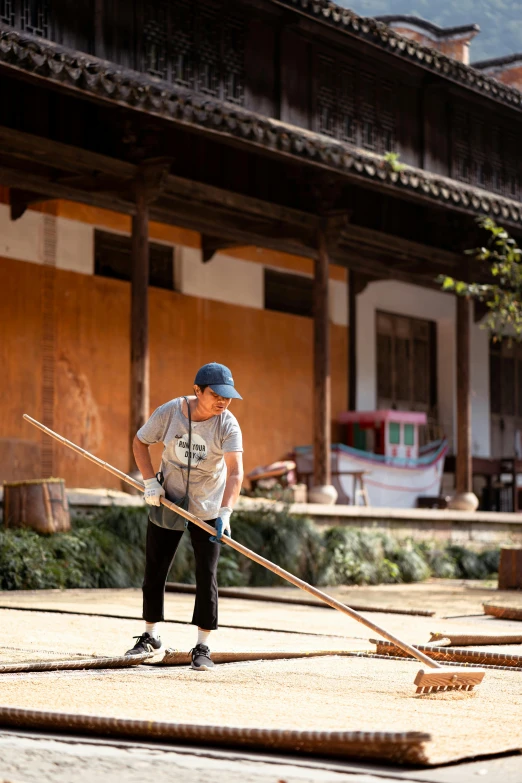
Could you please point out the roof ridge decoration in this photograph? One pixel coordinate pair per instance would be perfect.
(430, 27)
(109, 82)
(379, 34)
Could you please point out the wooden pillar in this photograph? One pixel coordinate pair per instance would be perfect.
(322, 381)
(352, 342)
(139, 331)
(510, 568)
(463, 462)
(464, 498)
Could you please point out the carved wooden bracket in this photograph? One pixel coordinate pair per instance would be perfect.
(359, 281)
(151, 178)
(333, 226)
(20, 200)
(211, 245)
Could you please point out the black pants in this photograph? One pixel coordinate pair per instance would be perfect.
(161, 549)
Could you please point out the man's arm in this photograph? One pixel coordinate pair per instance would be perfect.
(142, 457)
(234, 463)
(153, 489)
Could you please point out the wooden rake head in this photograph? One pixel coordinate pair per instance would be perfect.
(447, 678)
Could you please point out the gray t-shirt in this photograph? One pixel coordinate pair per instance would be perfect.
(211, 439)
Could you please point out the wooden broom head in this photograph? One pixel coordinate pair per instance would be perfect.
(447, 678)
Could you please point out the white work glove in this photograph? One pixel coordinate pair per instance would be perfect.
(222, 524)
(153, 492)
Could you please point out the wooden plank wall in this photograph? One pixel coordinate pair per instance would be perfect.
(436, 131)
(409, 134)
(295, 79)
(260, 68)
(270, 354)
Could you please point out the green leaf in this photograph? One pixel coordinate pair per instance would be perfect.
(461, 287)
(500, 283)
(392, 159)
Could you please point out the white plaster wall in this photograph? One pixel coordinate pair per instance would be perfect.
(480, 413)
(338, 291)
(75, 246)
(234, 281)
(23, 238)
(446, 368)
(418, 302)
(224, 279)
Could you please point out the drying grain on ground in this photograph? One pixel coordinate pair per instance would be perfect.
(335, 693)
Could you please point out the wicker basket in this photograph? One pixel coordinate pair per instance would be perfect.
(40, 505)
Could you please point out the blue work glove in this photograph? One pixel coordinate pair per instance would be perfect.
(222, 524)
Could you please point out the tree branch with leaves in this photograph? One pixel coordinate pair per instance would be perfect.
(501, 269)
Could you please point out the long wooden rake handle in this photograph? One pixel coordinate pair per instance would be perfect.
(245, 551)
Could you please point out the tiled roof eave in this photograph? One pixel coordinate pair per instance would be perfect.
(379, 34)
(139, 91)
(430, 27)
(496, 62)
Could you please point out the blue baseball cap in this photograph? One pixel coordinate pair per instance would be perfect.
(219, 378)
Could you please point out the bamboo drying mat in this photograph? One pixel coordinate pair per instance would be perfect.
(179, 658)
(445, 597)
(452, 654)
(253, 617)
(76, 664)
(251, 594)
(453, 639)
(320, 694)
(505, 611)
(398, 747)
(54, 636)
(330, 693)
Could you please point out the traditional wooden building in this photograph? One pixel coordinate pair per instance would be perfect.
(188, 180)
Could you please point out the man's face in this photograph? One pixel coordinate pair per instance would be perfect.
(211, 402)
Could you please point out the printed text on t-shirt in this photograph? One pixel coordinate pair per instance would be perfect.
(199, 449)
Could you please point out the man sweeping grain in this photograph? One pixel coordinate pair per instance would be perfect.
(202, 471)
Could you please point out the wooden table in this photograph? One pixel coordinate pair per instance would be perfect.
(359, 487)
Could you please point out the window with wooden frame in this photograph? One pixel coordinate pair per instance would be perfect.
(289, 293)
(505, 378)
(485, 153)
(406, 363)
(113, 256)
(352, 103)
(31, 16)
(199, 44)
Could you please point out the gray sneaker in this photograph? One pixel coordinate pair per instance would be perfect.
(201, 660)
(145, 644)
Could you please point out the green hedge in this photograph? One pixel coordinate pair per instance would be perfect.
(108, 551)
